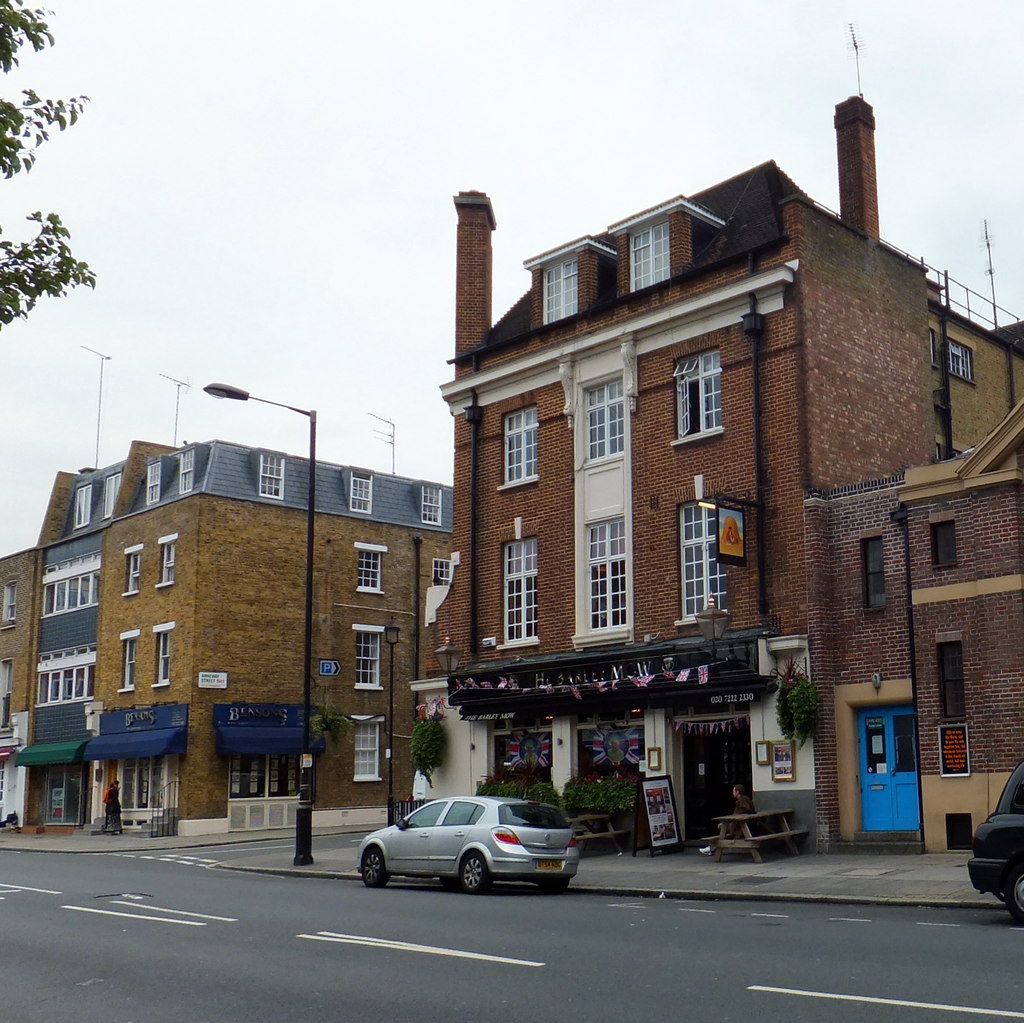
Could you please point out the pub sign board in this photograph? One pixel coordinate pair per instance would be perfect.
(954, 751)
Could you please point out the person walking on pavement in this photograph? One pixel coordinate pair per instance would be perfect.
(112, 802)
(744, 804)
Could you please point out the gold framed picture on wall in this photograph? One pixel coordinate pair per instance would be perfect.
(783, 761)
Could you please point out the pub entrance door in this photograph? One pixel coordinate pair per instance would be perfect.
(716, 755)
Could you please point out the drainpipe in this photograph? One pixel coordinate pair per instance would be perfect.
(946, 397)
(900, 517)
(417, 542)
(753, 327)
(474, 416)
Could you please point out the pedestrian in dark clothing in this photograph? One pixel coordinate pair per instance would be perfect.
(744, 804)
(112, 803)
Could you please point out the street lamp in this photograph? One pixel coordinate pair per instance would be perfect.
(304, 811)
(448, 657)
(713, 622)
(391, 638)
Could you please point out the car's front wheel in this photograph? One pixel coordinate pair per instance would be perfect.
(1015, 893)
(373, 868)
(474, 874)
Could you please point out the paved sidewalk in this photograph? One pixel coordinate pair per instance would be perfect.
(931, 879)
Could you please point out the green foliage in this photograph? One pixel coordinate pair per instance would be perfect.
(512, 788)
(43, 265)
(602, 795)
(429, 740)
(329, 722)
(798, 703)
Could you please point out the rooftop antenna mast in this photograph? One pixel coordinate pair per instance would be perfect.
(179, 384)
(99, 401)
(991, 271)
(856, 57)
(388, 436)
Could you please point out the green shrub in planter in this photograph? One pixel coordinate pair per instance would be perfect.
(602, 795)
(428, 747)
(537, 791)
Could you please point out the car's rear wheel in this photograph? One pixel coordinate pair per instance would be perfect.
(554, 886)
(1015, 893)
(474, 875)
(373, 868)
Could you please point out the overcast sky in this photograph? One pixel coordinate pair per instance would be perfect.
(264, 190)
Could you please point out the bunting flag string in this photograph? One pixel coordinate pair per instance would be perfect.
(711, 727)
(578, 684)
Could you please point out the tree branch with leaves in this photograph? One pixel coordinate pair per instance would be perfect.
(43, 265)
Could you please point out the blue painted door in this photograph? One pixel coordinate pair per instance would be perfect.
(888, 769)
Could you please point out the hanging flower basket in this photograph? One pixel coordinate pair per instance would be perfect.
(798, 704)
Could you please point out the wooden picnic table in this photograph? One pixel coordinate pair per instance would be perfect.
(589, 826)
(755, 829)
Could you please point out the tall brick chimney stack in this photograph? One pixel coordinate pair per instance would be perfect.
(858, 187)
(472, 269)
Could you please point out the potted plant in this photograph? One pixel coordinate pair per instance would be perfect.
(427, 746)
(522, 782)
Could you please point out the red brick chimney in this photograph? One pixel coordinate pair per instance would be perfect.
(855, 142)
(472, 269)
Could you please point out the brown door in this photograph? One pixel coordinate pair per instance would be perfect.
(714, 759)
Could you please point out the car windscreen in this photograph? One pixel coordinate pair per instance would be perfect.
(532, 815)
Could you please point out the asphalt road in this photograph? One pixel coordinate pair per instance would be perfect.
(118, 938)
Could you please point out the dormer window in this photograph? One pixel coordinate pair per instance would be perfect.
(361, 494)
(83, 505)
(649, 256)
(272, 476)
(153, 482)
(560, 290)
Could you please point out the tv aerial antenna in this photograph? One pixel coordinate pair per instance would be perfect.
(855, 45)
(99, 401)
(990, 271)
(179, 384)
(388, 436)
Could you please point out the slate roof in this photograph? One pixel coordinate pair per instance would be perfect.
(229, 470)
(749, 205)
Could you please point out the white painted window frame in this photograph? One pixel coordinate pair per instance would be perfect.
(561, 290)
(521, 445)
(271, 476)
(520, 589)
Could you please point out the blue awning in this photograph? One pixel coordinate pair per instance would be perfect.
(152, 742)
(281, 739)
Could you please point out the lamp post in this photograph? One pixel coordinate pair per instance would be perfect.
(391, 638)
(713, 622)
(304, 811)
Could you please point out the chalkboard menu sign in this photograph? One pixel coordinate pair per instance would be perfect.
(954, 752)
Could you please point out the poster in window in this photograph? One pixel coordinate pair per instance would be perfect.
(954, 751)
(732, 536)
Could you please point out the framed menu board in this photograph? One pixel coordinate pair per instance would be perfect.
(656, 808)
(954, 751)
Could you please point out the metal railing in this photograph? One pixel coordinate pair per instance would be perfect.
(163, 823)
(402, 808)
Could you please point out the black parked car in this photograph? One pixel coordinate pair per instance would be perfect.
(998, 862)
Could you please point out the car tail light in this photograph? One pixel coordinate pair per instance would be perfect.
(572, 842)
(506, 836)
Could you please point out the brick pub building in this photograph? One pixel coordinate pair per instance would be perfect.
(674, 412)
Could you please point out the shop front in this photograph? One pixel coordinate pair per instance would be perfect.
(599, 721)
(263, 744)
(59, 781)
(141, 747)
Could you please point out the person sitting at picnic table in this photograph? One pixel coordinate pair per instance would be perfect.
(744, 804)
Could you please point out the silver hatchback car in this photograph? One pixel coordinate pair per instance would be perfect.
(470, 841)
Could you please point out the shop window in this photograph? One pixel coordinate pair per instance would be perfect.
(610, 750)
(258, 775)
(142, 779)
(523, 754)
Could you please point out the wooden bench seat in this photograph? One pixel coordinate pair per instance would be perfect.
(588, 827)
(776, 820)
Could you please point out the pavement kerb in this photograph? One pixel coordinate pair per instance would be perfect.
(679, 894)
